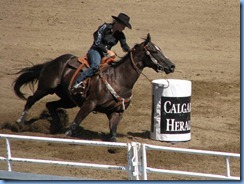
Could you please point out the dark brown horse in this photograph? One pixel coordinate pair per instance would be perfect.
(108, 93)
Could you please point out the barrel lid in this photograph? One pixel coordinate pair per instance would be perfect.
(171, 81)
(172, 87)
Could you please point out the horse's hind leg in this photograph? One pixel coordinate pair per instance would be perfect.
(30, 101)
(52, 108)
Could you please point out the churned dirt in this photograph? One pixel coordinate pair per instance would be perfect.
(201, 37)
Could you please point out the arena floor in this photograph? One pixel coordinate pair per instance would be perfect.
(201, 37)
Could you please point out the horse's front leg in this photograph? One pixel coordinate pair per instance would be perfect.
(85, 109)
(114, 119)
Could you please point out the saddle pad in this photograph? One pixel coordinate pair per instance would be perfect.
(76, 62)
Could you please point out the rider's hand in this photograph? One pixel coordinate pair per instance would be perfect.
(111, 53)
(125, 50)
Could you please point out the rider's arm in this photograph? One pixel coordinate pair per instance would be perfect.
(123, 43)
(98, 36)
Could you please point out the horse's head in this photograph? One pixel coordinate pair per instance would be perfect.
(154, 58)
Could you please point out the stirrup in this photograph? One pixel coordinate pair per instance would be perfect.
(79, 85)
(78, 88)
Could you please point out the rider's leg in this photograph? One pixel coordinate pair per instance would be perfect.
(94, 59)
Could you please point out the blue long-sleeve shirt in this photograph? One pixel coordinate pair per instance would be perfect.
(105, 39)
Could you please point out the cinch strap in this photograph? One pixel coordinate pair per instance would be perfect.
(120, 100)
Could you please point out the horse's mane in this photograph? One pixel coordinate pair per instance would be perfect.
(121, 60)
(124, 58)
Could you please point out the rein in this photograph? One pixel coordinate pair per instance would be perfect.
(134, 64)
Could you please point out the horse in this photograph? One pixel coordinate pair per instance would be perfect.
(108, 92)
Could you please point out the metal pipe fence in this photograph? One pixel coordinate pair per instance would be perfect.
(130, 168)
(146, 169)
(136, 156)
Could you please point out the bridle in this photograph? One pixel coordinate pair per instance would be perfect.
(153, 59)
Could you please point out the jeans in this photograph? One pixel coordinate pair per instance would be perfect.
(94, 59)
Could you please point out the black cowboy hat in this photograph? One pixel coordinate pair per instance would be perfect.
(124, 19)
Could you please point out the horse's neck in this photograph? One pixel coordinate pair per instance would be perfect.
(125, 74)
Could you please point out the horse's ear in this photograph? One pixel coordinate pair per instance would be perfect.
(148, 39)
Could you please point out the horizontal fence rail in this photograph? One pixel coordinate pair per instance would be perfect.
(146, 169)
(130, 168)
(136, 155)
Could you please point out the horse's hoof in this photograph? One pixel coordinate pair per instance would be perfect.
(113, 139)
(20, 121)
(69, 133)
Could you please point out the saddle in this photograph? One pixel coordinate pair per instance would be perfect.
(81, 64)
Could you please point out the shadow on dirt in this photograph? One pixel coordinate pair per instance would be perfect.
(91, 135)
(58, 124)
(45, 123)
(145, 134)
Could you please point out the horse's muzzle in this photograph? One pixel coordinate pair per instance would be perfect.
(169, 69)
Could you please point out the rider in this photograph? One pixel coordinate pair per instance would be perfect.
(106, 36)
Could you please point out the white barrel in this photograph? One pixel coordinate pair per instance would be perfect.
(171, 108)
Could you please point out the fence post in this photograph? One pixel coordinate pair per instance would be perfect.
(135, 160)
(227, 166)
(129, 159)
(144, 162)
(8, 154)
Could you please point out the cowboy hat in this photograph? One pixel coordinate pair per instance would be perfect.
(124, 19)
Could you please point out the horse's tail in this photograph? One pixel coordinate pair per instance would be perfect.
(28, 75)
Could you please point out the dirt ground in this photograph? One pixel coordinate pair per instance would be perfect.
(201, 37)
